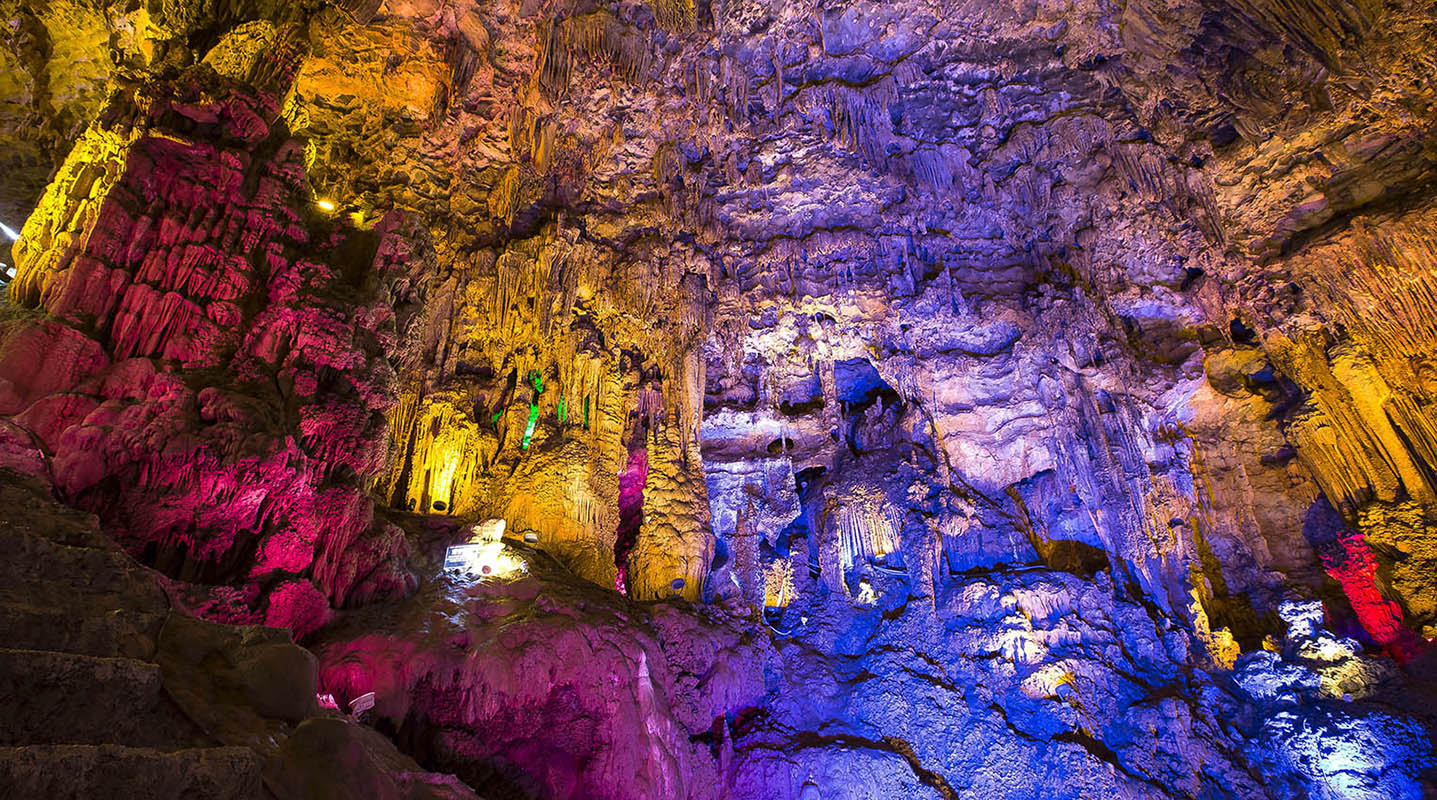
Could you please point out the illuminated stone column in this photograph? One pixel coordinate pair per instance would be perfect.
(824, 527)
(675, 543)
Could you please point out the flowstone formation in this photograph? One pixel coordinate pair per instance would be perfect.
(915, 399)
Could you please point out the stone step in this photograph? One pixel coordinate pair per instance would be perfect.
(117, 633)
(84, 772)
(60, 524)
(64, 698)
(85, 580)
(84, 538)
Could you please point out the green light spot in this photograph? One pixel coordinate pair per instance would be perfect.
(561, 411)
(533, 419)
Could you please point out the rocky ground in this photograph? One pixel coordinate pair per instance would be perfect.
(1009, 683)
(109, 691)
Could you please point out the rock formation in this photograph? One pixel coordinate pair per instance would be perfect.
(111, 691)
(922, 399)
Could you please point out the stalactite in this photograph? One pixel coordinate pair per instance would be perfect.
(596, 36)
(504, 197)
(860, 117)
(778, 588)
(1348, 433)
(674, 15)
(868, 527)
(1183, 194)
(1383, 289)
(441, 459)
(362, 11)
(531, 136)
(1324, 26)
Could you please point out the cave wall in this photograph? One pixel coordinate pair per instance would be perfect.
(202, 360)
(811, 308)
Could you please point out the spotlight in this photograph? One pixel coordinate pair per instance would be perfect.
(327, 206)
(10, 233)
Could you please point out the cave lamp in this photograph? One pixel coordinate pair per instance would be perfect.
(866, 595)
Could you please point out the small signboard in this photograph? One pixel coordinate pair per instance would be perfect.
(483, 560)
(362, 703)
(462, 557)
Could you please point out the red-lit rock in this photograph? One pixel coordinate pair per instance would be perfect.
(205, 381)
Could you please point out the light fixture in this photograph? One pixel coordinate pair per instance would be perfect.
(326, 206)
(10, 233)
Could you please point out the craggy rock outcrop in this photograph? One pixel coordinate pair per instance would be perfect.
(544, 685)
(53, 73)
(983, 396)
(213, 368)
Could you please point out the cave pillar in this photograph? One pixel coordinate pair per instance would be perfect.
(746, 557)
(829, 385)
(824, 525)
(921, 543)
(675, 542)
(181, 238)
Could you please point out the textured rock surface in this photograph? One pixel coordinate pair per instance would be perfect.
(108, 693)
(997, 398)
(1031, 683)
(213, 370)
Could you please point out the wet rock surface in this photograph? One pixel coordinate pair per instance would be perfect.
(1016, 683)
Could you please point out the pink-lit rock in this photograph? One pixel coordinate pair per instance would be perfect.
(208, 385)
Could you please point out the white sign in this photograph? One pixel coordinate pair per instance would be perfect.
(482, 560)
(462, 556)
(362, 703)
